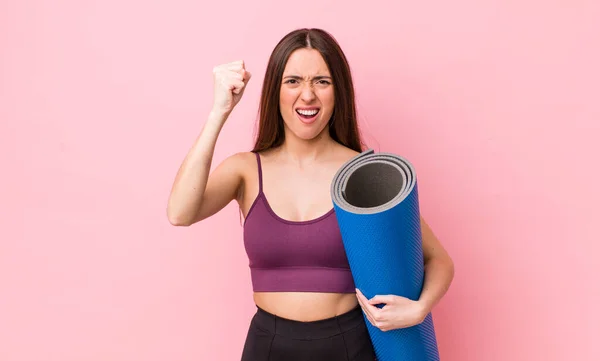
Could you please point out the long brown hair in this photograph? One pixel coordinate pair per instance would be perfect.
(343, 126)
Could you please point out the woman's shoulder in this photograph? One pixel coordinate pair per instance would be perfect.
(241, 161)
(240, 158)
(345, 153)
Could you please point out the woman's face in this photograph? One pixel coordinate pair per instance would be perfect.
(306, 97)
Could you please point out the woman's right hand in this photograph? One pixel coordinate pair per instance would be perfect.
(230, 80)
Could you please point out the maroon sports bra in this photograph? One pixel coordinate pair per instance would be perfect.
(294, 256)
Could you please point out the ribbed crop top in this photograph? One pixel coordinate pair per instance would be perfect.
(294, 256)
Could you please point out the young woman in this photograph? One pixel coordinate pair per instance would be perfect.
(307, 304)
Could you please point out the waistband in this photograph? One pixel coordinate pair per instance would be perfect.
(309, 330)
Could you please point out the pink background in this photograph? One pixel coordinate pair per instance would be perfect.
(495, 102)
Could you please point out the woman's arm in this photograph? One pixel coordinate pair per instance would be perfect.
(195, 195)
(439, 269)
(401, 312)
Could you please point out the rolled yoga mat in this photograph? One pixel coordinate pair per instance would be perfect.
(377, 208)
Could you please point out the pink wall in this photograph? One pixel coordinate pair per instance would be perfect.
(496, 103)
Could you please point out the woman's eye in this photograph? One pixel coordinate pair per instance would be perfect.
(295, 81)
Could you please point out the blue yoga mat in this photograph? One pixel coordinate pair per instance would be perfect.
(376, 204)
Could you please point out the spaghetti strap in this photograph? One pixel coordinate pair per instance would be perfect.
(260, 188)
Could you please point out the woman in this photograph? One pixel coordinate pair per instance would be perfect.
(307, 304)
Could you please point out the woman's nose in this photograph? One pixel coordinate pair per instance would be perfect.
(307, 92)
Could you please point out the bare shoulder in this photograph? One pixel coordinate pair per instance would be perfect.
(242, 163)
(268, 154)
(240, 159)
(344, 154)
(246, 166)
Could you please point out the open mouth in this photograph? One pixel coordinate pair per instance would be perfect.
(307, 114)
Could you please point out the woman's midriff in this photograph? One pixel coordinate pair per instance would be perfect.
(305, 306)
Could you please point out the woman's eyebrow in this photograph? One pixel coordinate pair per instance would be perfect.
(297, 77)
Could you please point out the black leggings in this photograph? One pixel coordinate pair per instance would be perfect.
(341, 338)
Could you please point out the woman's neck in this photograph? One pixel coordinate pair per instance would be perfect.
(301, 150)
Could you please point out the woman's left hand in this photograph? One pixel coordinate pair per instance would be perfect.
(398, 312)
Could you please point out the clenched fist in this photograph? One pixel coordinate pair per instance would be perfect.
(230, 81)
